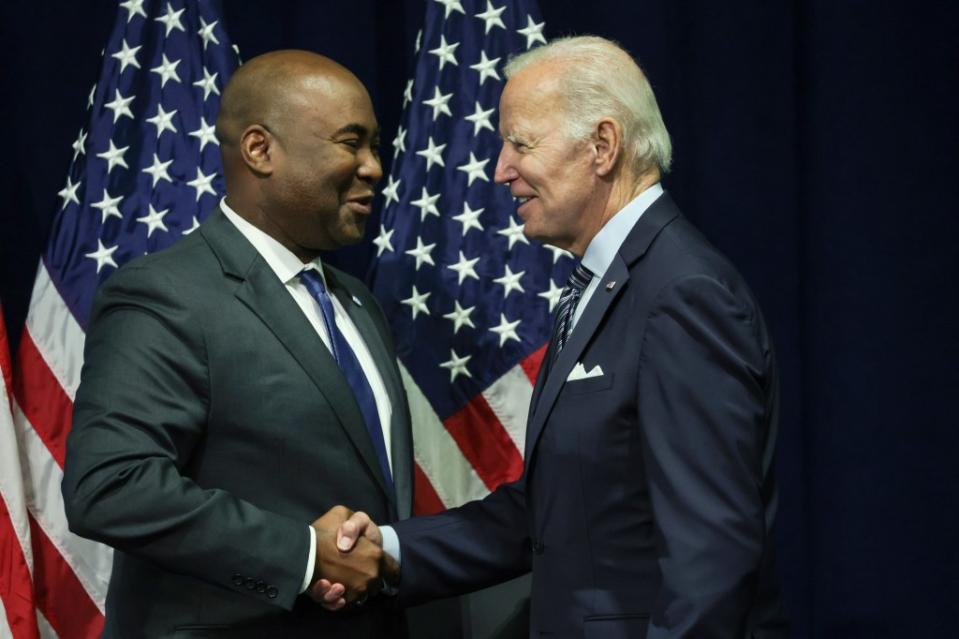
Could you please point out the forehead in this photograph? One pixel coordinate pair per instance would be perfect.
(531, 96)
(333, 103)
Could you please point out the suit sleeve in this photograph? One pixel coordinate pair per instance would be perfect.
(464, 549)
(139, 413)
(704, 384)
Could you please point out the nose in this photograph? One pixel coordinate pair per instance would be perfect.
(505, 173)
(370, 168)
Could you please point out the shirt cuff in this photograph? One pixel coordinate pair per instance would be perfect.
(311, 561)
(391, 542)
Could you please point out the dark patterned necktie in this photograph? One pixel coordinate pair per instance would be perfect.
(350, 366)
(578, 281)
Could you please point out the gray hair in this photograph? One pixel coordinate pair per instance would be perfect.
(600, 79)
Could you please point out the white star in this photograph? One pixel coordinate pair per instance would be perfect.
(208, 83)
(69, 193)
(460, 317)
(432, 153)
(93, 91)
(465, 268)
(492, 16)
(456, 365)
(439, 103)
(399, 142)
(474, 169)
(506, 330)
(103, 255)
(533, 32)
(557, 252)
(486, 68)
(163, 121)
(390, 191)
(419, 40)
(206, 32)
(78, 145)
(114, 157)
(127, 56)
(480, 119)
(422, 253)
(202, 183)
(469, 218)
(154, 220)
(193, 227)
(383, 241)
(171, 19)
(446, 52)
(510, 282)
(166, 70)
(109, 206)
(514, 232)
(552, 295)
(427, 204)
(417, 302)
(451, 6)
(159, 170)
(408, 93)
(133, 7)
(120, 106)
(205, 133)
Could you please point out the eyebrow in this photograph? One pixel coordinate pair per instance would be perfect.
(355, 128)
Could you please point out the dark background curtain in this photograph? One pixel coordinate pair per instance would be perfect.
(816, 143)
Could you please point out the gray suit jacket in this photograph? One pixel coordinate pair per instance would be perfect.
(211, 427)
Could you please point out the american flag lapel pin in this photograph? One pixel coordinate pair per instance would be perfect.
(610, 285)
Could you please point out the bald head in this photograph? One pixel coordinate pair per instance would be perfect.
(268, 89)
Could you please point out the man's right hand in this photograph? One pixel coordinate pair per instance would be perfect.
(356, 532)
(357, 570)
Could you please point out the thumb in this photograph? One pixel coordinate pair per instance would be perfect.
(346, 535)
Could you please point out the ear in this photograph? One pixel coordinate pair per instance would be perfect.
(607, 143)
(257, 149)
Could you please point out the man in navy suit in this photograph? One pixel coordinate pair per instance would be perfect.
(647, 503)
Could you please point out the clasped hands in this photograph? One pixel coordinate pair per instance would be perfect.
(350, 563)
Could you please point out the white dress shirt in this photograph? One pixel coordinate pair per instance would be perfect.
(287, 267)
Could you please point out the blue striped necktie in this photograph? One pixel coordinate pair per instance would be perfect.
(350, 366)
(578, 281)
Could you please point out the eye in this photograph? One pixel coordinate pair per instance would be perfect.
(353, 143)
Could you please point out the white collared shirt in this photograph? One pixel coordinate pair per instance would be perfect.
(606, 244)
(287, 267)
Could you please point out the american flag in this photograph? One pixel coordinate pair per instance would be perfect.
(146, 170)
(469, 297)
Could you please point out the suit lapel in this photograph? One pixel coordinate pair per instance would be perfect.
(259, 289)
(551, 379)
(401, 445)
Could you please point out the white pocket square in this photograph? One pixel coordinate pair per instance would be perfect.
(579, 372)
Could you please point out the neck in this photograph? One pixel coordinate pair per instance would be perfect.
(621, 192)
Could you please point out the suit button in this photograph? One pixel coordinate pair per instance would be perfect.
(272, 592)
(237, 579)
(537, 547)
(250, 583)
(261, 586)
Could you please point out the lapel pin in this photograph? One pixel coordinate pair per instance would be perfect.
(357, 301)
(610, 285)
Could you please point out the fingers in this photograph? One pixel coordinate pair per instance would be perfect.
(329, 595)
(359, 524)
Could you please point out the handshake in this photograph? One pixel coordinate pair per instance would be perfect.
(350, 563)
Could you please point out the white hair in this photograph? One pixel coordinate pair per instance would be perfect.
(600, 79)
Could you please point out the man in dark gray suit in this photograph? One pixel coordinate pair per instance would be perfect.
(235, 387)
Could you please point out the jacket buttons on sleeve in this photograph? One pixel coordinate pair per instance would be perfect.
(272, 592)
(237, 579)
(261, 586)
(250, 583)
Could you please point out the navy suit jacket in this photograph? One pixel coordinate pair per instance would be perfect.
(647, 502)
(210, 428)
